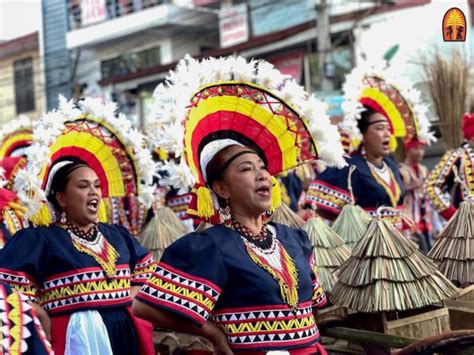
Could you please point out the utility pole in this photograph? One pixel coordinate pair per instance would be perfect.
(324, 45)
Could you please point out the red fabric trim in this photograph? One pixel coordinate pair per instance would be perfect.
(276, 307)
(278, 344)
(89, 158)
(191, 277)
(283, 331)
(448, 212)
(313, 349)
(234, 121)
(468, 125)
(329, 186)
(237, 321)
(58, 333)
(202, 305)
(89, 304)
(18, 274)
(84, 271)
(172, 306)
(144, 332)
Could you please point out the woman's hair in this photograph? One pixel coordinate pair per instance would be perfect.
(60, 177)
(364, 122)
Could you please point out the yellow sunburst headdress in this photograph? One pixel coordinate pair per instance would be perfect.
(206, 105)
(92, 131)
(15, 137)
(384, 90)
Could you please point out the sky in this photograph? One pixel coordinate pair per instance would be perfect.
(19, 17)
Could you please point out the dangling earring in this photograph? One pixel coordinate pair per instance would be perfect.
(63, 219)
(224, 213)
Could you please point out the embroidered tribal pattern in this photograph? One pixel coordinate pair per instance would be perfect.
(393, 216)
(393, 189)
(100, 249)
(143, 270)
(175, 289)
(270, 326)
(438, 177)
(468, 173)
(86, 287)
(280, 265)
(319, 194)
(319, 297)
(14, 317)
(20, 282)
(179, 204)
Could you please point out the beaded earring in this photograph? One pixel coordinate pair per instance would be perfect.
(63, 219)
(224, 213)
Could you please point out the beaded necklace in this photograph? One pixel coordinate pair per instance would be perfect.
(94, 244)
(267, 252)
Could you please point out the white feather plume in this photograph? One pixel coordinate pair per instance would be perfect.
(172, 103)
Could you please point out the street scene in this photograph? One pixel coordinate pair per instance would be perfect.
(236, 177)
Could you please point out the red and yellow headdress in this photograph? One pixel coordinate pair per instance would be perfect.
(89, 130)
(385, 91)
(15, 136)
(205, 106)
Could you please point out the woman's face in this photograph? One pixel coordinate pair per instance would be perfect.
(246, 184)
(377, 136)
(417, 153)
(81, 198)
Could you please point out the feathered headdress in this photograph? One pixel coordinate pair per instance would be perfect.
(89, 130)
(384, 90)
(15, 136)
(204, 106)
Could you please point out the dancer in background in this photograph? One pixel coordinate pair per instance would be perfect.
(378, 109)
(416, 204)
(442, 189)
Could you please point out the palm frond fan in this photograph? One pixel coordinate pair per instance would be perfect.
(448, 86)
(163, 229)
(351, 224)
(285, 215)
(352, 221)
(454, 250)
(330, 250)
(92, 131)
(387, 273)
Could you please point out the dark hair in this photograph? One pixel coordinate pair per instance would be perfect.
(364, 122)
(61, 178)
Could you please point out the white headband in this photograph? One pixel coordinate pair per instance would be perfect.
(52, 172)
(211, 149)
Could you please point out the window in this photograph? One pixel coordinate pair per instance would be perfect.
(24, 88)
(131, 62)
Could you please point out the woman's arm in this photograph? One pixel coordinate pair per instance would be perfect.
(44, 319)
(167, 320)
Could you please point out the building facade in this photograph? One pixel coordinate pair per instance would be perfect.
(21, 88)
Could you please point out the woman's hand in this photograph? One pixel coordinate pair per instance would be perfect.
(43, 318)
(217, 338)
(220, 343)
